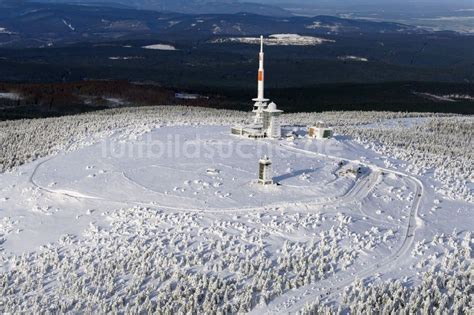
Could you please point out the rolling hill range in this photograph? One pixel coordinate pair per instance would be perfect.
(327, 63)
(186, 6)
(37, 25)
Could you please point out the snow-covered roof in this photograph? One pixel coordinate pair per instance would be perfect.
(272, 108)
(252, 131)
(265, 160)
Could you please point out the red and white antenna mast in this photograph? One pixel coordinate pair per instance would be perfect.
(261, 102)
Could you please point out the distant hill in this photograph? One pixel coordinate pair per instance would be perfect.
(351, 64)
(41, 25)
(186, 6)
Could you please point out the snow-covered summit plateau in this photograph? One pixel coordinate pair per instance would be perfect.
(158, 210)
(278, 40)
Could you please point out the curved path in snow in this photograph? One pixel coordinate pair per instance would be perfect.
(325, 290)
(360, 189)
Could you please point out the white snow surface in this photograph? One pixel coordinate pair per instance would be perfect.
(278, 40)
(136, 214)
(445, 98)
(160, 47)
(318, 25)
(69, 25)
(353, 58)
(10, 96)
(125, 57)
(3, 30)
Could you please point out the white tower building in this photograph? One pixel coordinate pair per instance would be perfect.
(265, 171)
(271, 121)
(260, 102)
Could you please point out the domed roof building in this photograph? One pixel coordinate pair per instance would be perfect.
(271, 121)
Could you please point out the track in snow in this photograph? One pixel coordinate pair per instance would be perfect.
(325, 290)
(361, 188)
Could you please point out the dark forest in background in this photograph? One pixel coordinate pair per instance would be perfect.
(67, 59)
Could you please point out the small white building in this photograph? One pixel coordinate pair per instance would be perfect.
(265, 171)
(320, 131)
(271, 121)
(253, 132)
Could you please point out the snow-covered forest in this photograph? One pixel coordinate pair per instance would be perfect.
(101, 238)
(26, 140)
(138, 268)
(445, 285)
(443, 145)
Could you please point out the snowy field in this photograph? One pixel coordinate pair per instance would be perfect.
(165, 47)
(157, 210)
(10, 96)
(353, 58)
(5, 31)
(278, 40)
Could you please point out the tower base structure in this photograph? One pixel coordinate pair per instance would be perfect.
(265, 171)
